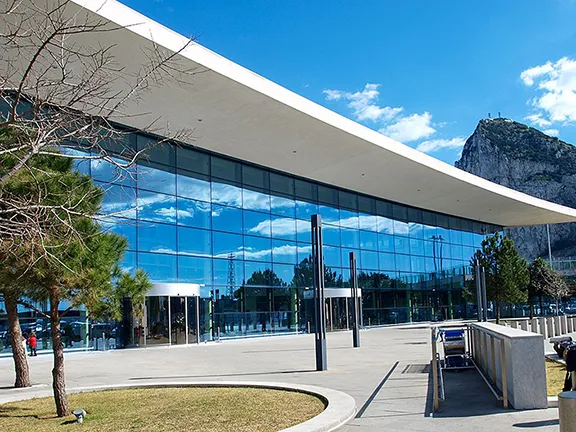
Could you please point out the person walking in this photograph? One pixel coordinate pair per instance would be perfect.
(32, 342)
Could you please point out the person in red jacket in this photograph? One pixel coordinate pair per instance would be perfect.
(32, 341)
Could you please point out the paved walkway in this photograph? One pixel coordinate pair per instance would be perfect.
(387, 377)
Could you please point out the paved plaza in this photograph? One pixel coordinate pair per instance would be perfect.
(387, 377)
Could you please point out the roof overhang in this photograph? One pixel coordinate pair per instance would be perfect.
(238, 113)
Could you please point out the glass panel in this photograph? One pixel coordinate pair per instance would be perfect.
(417, 247)
(350, 238)
(155, 237)
(155, 151)
(194, 213)
(226, 244)
(284, 228)
(194, 270)
(386, 261)
(192, 185)
(401, 245)
(128, 263)
(256, 223)
(385, 243)
(303, 228)
(226, 169)
(193, 160)
(112, 172)
(369, 260)
(261, 274)
(156, 207)
(368, 240)
(281, 183)
(348, 200)
(330, 235)
(194, 241)
(192, 320)
(226, 219)
(304, 210)
(332, 256)
(330, 215)
(283, 206)
(306, 190)
(385, 225)
(328, 195)
(401, 228)
(349, 219)
(229, 272)
(123, 227)
(156, 178)
(157, 320)
(255, 200)
(284, 251)
(368, 222)
(252, 176)
(419, 264)
(257, 248)
(285, 273)
(119, 201)
(178, 320)
(160, 267)
(226, 194)
(416, 230)
(403, 263)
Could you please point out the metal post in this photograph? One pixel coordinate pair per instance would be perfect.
(354, 287)
(197, 319)
(319, 316)
(478, 289)
(436, 398)
(484, 296)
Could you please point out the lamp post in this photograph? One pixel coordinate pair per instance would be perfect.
(320, 313)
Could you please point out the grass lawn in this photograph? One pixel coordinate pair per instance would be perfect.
(555, 374)
(167, 409)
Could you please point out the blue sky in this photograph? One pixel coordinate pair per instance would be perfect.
(421, 71)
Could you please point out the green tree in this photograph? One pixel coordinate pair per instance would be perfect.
(507, 275)
(544, 280)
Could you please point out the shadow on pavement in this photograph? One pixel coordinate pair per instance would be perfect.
(221, 375)
(537, 424)
(466, 395)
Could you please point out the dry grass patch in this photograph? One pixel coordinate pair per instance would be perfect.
(555, 374)
(167, 409)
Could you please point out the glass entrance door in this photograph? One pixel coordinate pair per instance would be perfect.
(337, 314)
(177, 320)
(194, 331)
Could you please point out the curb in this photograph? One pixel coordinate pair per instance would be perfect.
(340, 407)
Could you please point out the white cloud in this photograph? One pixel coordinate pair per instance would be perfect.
(363, 103)
(439, 144)
(552, 132)
(556, 99)
(538, 120)
(410, 128)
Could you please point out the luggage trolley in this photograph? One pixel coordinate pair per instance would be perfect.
(454, 345)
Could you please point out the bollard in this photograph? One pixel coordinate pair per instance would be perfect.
(543, 331)
(534, 325)
(563, 324)
(524, 325)
(218, 334)
(567, 411)
(308, 327)
(570, 324)
(557, 326)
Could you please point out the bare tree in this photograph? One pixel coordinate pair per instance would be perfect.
(62, 90)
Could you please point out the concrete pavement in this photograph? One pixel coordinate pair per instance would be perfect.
(388, 377)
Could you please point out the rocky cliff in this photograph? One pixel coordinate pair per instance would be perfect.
(523, 158)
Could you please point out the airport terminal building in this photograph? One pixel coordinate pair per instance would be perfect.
(221, 223)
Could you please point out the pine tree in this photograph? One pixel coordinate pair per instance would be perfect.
(507, 275)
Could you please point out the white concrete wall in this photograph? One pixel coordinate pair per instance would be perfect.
(525, 365)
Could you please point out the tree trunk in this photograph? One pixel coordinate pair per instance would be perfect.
(58, 379)
(18, 349)
(497, 304)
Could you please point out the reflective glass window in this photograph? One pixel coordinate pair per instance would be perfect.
(156, 178)
(417, 247)
(330, 235)
(328, 195)
(385, 225)
(385, 243)
(281, 183)
(123, 227)
(345, 253)
(128, 263)
(468, 253)
(303, 228)
(418, 264)
(332, 256)
(368, 240)
(226, 194)
(194, 213)
(283, 206)
(431, 265)
(456, 252)
(304, 210)
(349, 219)
(429, 248)
(156, 237)
(348, 200)
(256, 200)
(118, 142)
(194, 270)
(108, 172)
(306, 190)
(400, 212)
(260, 274)
(191, 185)
(160, 267)
(256, 223)
(192, 160)
(403, 263)
(284, 251)
(416, 230)
(386, 261)
(257, 248)
(194, 241)
(226, 169)
(157, 207)
(401, 245)
(283, 227)
(224, 268)
(401, 228)
(350, 238)
(369, 260)
(334, 277)
(256, 177)
(368, 222)
(430, 232)
(330, 215)
(226, 219)
(304, 252)
(156, 151)
(455, 236)
(285, 274)
(467, 238)
(79, 164)
(119, 201)
(226, 245)
(366, 205)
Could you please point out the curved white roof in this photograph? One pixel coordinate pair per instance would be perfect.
(236, 112)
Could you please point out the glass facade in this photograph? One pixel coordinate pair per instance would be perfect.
(243, 233)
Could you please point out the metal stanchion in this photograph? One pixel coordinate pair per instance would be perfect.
(319, 308)
(354, 288)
